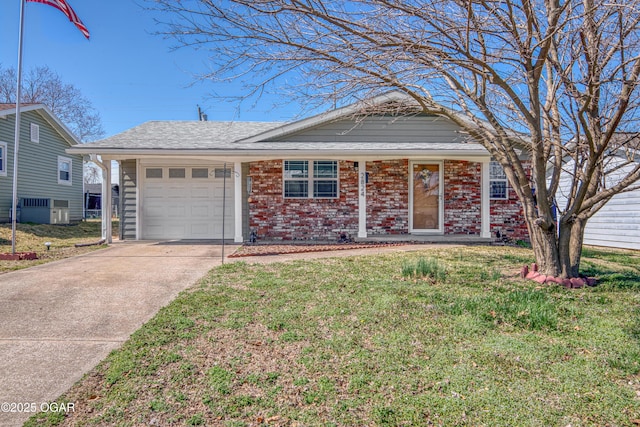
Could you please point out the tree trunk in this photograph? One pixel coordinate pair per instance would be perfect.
(545, 250)
(558, 255)
(570, 241)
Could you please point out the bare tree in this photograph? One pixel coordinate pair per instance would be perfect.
(555, 81)
(92, 173)
(41, 85)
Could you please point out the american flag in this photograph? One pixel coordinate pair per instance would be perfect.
(64, 7)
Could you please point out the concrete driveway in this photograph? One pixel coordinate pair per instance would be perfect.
(59, 320)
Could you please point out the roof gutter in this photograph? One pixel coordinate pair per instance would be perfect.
(278, 154)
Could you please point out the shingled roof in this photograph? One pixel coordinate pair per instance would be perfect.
(184, 135)
(274, 138)
(11, 106)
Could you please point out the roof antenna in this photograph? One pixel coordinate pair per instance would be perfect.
(201, 115)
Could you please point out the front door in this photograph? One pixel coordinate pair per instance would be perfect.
(426, 197)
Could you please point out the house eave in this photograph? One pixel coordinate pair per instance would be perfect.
(257, 155)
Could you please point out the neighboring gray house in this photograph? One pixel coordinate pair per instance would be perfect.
(617, 223)
(50, 187)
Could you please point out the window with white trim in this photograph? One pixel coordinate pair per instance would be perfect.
(65, 168)
(498, 182)
(317, 179)
(3, 159)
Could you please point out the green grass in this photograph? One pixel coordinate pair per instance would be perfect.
(352, 342)
(424, 268)
(63, 238)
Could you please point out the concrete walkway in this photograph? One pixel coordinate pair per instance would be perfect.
(59, 320)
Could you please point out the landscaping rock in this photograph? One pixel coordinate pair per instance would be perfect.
(572, 283)
(18, 256)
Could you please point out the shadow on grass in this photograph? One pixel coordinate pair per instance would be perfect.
(623, 279)
(611, 280)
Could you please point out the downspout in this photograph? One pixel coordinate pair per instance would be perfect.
(106, 198)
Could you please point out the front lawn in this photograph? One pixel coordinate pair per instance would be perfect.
(63, 238)
(444, 336)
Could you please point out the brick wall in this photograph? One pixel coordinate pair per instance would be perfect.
(275, 218)
(463, 197)
(388, 197)
(507, 217)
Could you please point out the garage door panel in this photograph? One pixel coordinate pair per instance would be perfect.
(176, 193)
(155, 231)
(174, 231)
(202, 211)
(155, 210)
(201, 229)
(176, 212)
(218, 191)
(200, 191)
(154, 192)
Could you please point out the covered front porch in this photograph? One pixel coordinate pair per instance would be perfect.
(377, 198)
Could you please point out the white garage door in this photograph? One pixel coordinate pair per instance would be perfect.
(186, 203)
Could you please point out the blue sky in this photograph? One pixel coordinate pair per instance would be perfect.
(129, 74)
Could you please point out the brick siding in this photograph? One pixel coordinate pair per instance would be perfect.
(388, 197)
(463, 197)
(275, 218)
(507, 216)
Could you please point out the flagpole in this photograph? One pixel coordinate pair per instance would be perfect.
(17, 134)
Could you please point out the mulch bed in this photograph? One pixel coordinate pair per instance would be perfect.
(276, 249)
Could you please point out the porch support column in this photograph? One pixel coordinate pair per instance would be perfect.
(105, 199)
(485, 227)
(107, 205)
(237, 201)
(362, 199)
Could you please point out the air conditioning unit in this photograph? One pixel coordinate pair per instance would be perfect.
(60, 212)
(44, 210)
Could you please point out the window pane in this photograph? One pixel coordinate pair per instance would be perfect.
(199, 173)
(325, 169)
(296, 188)
(499, 190)
(153, 172)
(296, 169)
(496, 171)
(177, 173)
(1, 158)
(325, 188)
(222, 173)
(64, 169)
